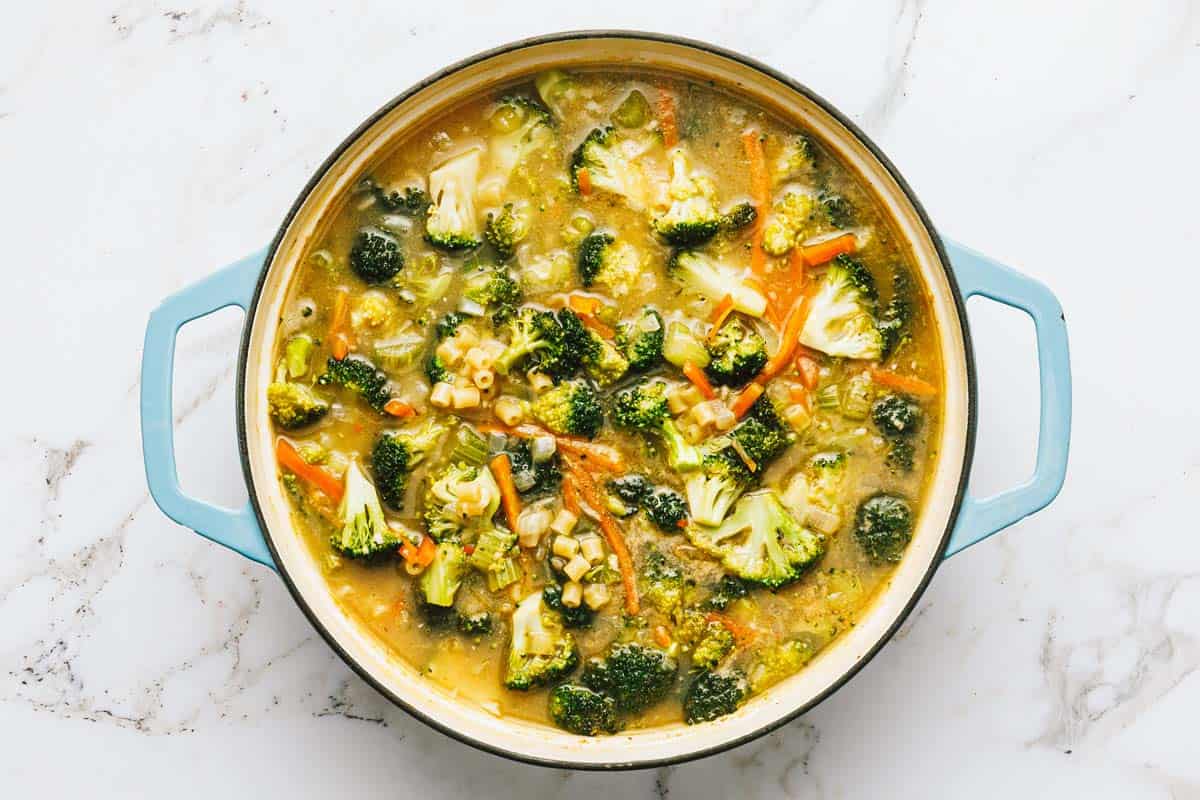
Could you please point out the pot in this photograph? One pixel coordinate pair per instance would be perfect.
(950, 520)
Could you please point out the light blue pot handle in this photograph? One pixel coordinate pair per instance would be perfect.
(237, 529)
(979, 518)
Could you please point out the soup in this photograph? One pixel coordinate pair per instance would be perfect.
(606, 401)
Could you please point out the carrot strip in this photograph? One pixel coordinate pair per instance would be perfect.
(719, 314)
(740, 632)
(510, 498)
(903, 383)
(601, 455)
(746, 399)
(661, 637)
(399, 408)
(289, 458)
(787, 340)
(590, 321)
(612, 532)
(699, 380)
(829, 249)
(582, 304)
(760, 191)
(339, 340)
(798, 394)
(666, 118)
(809, 372)
(571, 498)
(584, 180)
(419, 555)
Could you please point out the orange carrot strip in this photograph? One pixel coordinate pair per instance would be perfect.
(600, 455)
(787, 340)
(903, 383)
(746, 399)
(339, 340)
(289, 458)
(740, 632)
(612, 531)
(582, 304)
(829, 249)
(584, 180)
(661, 637)
(571, 498)
(719, 314)
(808, 370)
(798, 394)
(760, 191)
(510, 498)
(419, 555)
(590, 321)
(399, 408)
(666, 118)
(699, 379)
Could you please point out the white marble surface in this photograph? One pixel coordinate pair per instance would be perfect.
(142, 145)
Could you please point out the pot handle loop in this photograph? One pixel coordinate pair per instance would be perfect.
(237, 529)
(981, 517)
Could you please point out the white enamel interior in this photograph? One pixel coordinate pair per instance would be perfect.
(537, 742)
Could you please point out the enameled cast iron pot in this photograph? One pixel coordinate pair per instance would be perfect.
(949, 521)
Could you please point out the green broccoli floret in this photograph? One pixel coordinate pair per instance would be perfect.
(739, 216)
(436, 618)
(606, 262)
(667, 510)
(480, 624)
(572, 408)
(900, 455)
(790, 219)
(729, 590)
(504, 231)
(644, 407)
(837, 209)
(712, 280)
(894, 320)
(520, 128)
(776, 662)
(410, 200)
(451, 224)
(579, 710)
(633, 675)
(364, 533)
(533, 478)
(540, 651)
(825, 475)
(578, 617)
(448, 325)
(583, 346)
(397, 453)
(294, 405)
(796, 160)
(761, 541)
(841, 319)
(692, 217)
(736, 353)
(375, 256)
(632, 490)
(712, 695)
(896, 415)
(436, 370)
(662, 584)
(445, 518)
(610, 168)
(535, 340)
(495, 289)
(359, 376)
(443, 576)
(883, 527)
(707, 639)
(712, 490)
(641, 341)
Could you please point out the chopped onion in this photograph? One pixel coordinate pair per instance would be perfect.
(472, 308)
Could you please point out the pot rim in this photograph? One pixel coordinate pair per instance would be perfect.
(956, 297)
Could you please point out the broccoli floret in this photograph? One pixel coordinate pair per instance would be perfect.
(578, 709)
(359, 376)
(838, 210)
(712, 695)
(662, 584)
(841, 320)
(578, 617)
(375, 256)
(448, 325)
(736, 353)
(760, 541)
(644, 407)
(883, 527)
(641, 341)
(504, 231)
(451, 224)
(707, 639)
(633, 675)
(411, 200)
(540, 651)
(533, 479)
(795, 161)
(900, 455)
(896, 415)
(436, 618)
(667, 510)
(692, 217)
(520, 127)
(445, 514)
(631, 489)
(396, 454)
(480, 624)
(294, 405)
(774, 663)
(610, 166)
(825, 475)
(495, 289)
(583, 346)
(706, 277)
(436, 370)
(364, 533)
(570, 408)
(711, 492)
(729, 589)
(443, 576)
(740, 216)
(789, 220)
(534, 339)
(612, 264)
(893, 322)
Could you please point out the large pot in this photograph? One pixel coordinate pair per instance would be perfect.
(950, 520)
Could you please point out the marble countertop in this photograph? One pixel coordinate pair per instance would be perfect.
(145, 145)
